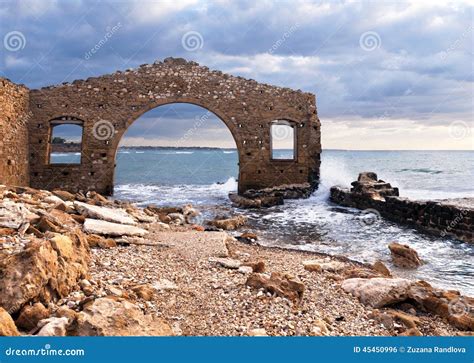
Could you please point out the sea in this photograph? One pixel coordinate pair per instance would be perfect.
(204, 177)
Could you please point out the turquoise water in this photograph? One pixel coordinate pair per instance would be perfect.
(204, 177)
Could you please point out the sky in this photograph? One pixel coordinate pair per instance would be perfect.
(387, 75)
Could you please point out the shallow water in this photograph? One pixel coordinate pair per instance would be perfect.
(204, 177)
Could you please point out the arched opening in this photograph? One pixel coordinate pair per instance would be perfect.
(174, 154)
(65, 140)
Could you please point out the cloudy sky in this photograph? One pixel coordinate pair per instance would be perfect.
(387, 75)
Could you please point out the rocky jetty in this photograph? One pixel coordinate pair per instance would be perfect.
(60, 276)
(450, 217)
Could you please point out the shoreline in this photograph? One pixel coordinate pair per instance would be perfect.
(171, 277)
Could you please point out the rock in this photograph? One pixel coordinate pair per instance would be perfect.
(226, 262)
(368, 185)
(255, 202)
(6, 232)
(380, 267)
(164, 284)
(100, 242)
(7, 326)
(450, 305)
(323, 265)
(379, 291)
(320, 328)
(43, 270)
(176, 218)
(259, 332)
(117, 317)
(198, 228)
(114, 215)
(163, 210)
(64, 195)
(65, 312)
(53, 199)
(283, 285)
(190, 213)
(404, 256)
(245, 270)
(115, 291)
(229, 223)
(30, 315)
(46, 224)
(112, 229)
(258, 266)
(13, 215)
(247, 237)
(53, 327)
(412, 332)
(144, 291)
(408, 320)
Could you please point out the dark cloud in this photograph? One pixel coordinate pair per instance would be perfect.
(420, 68)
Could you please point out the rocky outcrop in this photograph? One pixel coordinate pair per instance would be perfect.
(454, 218)
(46, 269)
(117, 317)
(404, 256)
(458, 310)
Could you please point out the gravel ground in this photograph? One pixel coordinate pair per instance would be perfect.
(199, 297)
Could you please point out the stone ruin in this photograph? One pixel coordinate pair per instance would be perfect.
(104, 107)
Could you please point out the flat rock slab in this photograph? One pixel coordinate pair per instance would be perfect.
(112, 229)
(106, 214)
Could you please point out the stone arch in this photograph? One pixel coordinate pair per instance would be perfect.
(190, 101)
(244, 105)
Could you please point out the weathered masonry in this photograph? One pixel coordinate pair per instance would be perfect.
(104, 107)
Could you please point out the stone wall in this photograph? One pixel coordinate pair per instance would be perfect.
(109, 104)
(454, 218)
(14, 109)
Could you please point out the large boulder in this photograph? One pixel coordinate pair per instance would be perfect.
(30, 315)
(378, 292)
(46, 269)
(118, 317)
(112, 229)
(7, 325)
(404, 256)
(114, 215)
